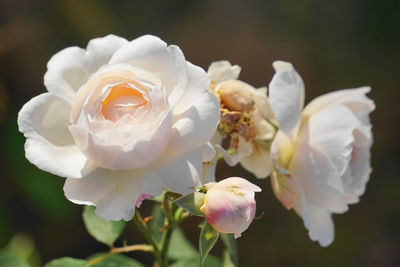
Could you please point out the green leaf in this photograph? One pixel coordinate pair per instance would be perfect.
(11, 259)
(210, 261)
(192, 203)
(67, 262)
(180, 247)
(231, 247)
(208, 237)
(157, 222)
(115, 260)
(103, 231)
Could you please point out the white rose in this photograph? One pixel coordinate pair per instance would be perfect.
(245, 120)
(121, 120)
(322, 153)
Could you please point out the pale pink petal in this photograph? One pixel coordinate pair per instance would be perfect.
(238, 182)
(357, 174)
(286, 189)
(355, 99)
(319, 178)
(331, 130)
(286, 96)
(167, 63)
(44, 121)
(318, 222)
(114, 193)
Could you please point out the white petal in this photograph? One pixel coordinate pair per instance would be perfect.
(139, 153)
(146, 149)
(167, 63)
(286, 96)
(180, 174)
(244, 150)
(355, 99)
(220, 71)
(114, 193)
(209, 159)
(238, 182)
(195, 126)
(70, 68)
(319, 178)
(357, 174)
(331, 130)
(197, 85)
(318, 222)
(259, 163)
(44, 121)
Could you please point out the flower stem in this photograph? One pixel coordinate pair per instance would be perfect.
(141, 224)
(114, 250)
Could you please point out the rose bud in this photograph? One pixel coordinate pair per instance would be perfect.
(229, 205)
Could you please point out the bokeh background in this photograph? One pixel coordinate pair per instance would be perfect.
(333, 45)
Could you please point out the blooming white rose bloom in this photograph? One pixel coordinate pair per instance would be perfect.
(229, 205)
(321, 153)
(121, 120)
(246, 130)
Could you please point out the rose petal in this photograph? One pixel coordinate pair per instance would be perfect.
(286, 96)
(167, 63)
(331, 130)
(196, 125)
(44, 121)
(357, 174)
(139, 153)
(196, 87)
(318, 222)
(319, 178)
(220, 71)
(348, 97)
(244, 150)
(285, 188)
(69, 69)
(180, 174)
(239, 182)
(114, 193)
(259, 163)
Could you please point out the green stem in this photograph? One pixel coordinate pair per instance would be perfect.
(141, 247)
(141, 224)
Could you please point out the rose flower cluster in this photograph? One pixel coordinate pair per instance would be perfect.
(124, 120)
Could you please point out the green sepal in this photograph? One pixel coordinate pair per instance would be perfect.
(192, 203)
(208, 238)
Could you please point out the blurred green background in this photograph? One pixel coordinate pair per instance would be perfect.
(333, 45)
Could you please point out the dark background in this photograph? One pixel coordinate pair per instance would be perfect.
(333, 45)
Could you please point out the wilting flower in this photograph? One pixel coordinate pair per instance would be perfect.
(321, 153)
(246, 128)
(121, 120)
(229, 205)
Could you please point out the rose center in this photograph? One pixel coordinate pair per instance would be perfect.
(122, 99)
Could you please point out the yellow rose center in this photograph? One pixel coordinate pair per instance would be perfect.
(122, 99)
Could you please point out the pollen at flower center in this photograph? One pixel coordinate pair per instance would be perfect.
(122, 99)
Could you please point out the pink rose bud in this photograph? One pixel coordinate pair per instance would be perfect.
(229, 205)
